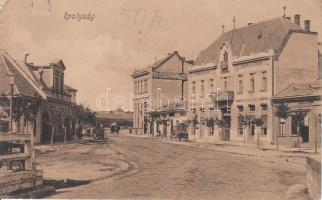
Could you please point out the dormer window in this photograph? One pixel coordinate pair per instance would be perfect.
(58, 84)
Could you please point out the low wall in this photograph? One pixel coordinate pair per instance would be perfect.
(313, 176)
(19, 181)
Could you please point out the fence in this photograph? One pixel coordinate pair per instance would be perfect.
(17, 163)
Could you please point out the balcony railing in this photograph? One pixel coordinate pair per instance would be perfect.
(222, 95)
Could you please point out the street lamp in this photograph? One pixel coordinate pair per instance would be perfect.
(11, 83)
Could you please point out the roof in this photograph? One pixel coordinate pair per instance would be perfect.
(58, 62)
(161, 61)
(26, 83)
(313, 88)
(67, 87)
(251, 39)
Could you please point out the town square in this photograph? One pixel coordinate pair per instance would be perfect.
(147, 100)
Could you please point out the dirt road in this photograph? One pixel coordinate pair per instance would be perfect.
(161, 170)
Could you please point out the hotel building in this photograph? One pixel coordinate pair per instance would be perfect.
(243, 70)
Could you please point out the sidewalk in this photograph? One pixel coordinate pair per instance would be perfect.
(267, 151)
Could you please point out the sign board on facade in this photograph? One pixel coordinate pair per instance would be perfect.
(170, 75)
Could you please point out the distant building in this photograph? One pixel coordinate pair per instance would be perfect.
(249, 66)
(123, 118)
(159, 91)
(44, 85)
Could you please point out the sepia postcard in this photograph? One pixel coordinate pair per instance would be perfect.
(160, 99)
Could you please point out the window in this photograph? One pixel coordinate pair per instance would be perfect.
(226, 56)
(142, 87)
(225, 83)
(264, 81)
(145, 106)
(264, 107)
(193, 89)
(252, 130)
(240, 108)
(240, 84)
(56, 84)
(240, 131)
(211, 85)
(240, 128)
(202, 89)
(251, 108)
(252, 82)
(282, 127)
(145, 86)
(61, 83)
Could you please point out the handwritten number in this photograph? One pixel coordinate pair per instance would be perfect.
(125, 16)
(137, 19)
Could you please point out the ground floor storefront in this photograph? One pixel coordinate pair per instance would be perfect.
(47, 120)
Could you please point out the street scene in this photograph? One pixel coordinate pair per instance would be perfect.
(150, 169)
(121, 100)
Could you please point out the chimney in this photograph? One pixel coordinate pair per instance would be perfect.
(307, 25)
(26, 57)
(297, 20)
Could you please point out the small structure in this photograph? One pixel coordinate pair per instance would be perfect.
(17, 163)
(313, 176)
(124, 119)
(304, 118)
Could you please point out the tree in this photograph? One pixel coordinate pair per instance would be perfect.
(210, 122)
(23, 107)
(258, 121)
(282, 111)
(221, 123)
(245, 120)
(194, 123)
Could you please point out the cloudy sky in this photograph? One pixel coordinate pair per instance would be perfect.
(127, 34)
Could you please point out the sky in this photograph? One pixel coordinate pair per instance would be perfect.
(119, 36)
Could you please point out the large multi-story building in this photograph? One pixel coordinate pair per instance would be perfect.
(249, 66)
(158, 89)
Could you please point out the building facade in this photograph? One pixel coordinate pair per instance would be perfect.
(158, 91)
(49, 100)
(250, 65)
(303, 122)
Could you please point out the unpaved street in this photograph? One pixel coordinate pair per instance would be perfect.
(161, 170)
